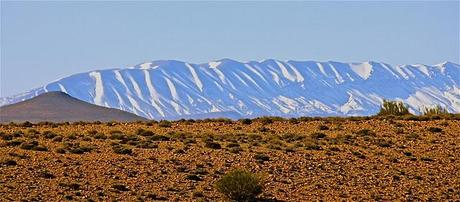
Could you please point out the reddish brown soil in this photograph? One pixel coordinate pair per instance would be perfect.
(393, 160)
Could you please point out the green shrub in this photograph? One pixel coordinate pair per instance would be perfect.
(27, 124)
(383, 143)
(49, 135)
(30, 145)
(60, 150)
(46, 174)
(246, 121)
(5, 136)
(292, 137)
(435, 129)
(323, 127)
(240, 185)
(8, 162)
(213, 145)
(194, 177)
(395, 108)
(437, 110)
(143, 132)
(80, 150)
(118, 136)
(318, 135)
(365, 132)
(412, 136)
(261, 157)
(120, 187)
(73, 186)
(99, 136)
(165, 124)
(159, 138)
(119, 149)
(294, 121)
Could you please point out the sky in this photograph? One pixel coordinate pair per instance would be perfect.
(44, 41)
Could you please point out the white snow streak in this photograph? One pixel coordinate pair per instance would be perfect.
(364, 70)
(153, 93)
(197, 80)
(99, 88)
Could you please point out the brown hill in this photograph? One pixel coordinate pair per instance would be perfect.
(61, 107)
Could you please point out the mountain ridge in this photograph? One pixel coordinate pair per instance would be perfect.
(165, 89)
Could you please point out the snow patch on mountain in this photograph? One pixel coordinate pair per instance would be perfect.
(170, 89)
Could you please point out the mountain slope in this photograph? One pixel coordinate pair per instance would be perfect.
(170, 89)
(60, 107)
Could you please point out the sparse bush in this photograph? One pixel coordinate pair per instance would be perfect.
(159, 138)
(240, 185)
(246, 121)
(358, 154)
(5, 136)
(60, 150)
(294, 121)
(312, 146)
(72, 136)
(80, 150)
(428, 159)
(27, 124)
(399, 131)
(119, 149)
(383, 142)
(8, 162)
(57, 139)
(144, 133)
(46, 174)
(99, 136)
(147, 145)
(263, 129)
(193, 177)
(265, 120)
(365, 132)
(261, 158)
(32, 145)
(318, 135)
(437, 110)
(18, 134)
(323, 127)
(118, 136)
(232, 144)
(165, 124)
(32, 131)
(49, 135)
(291, 137)
(120, 187)
(14, 143)
(92, 132)
(435, 129)
(412, 136)
(73, 186)
(235, 150)
(213, 145)
(395, 108)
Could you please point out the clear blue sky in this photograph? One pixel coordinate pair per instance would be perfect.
(44, 41)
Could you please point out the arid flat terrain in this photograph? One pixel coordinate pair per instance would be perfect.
(298, 159)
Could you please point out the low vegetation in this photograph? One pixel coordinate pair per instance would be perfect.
(395, 108)
(437, 110)
(301, 159)
(240, 185)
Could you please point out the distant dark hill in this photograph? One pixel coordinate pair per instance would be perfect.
(60, 107)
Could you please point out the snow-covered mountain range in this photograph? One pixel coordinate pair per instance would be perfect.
(169, 89)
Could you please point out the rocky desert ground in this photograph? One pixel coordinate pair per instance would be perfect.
(329, 159)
